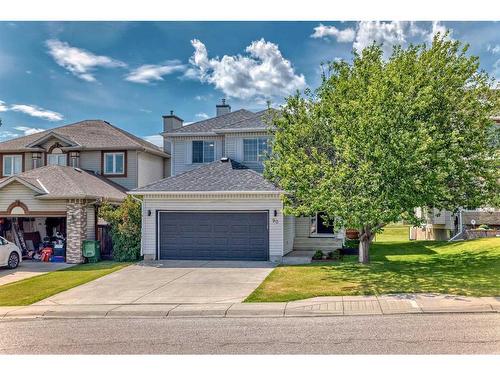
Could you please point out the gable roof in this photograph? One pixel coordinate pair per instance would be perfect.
(227, 176)
(60, 182)
(87, 134)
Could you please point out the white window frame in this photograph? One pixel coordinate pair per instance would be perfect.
(260, 153)
(56, 155)
(12, 164)
(114, 172)
(203, 151)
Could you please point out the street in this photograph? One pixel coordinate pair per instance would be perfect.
(390, 334)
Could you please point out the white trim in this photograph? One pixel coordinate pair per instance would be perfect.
(114, 172)
(241, 130)
(42, 185)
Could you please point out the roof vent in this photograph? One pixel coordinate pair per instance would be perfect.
(224, 159)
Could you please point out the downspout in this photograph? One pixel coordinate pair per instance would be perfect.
(142, 219)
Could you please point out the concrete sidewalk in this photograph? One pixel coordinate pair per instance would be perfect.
(319, 306)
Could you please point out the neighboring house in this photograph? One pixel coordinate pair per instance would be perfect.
(444, 225)
(217, 204)
(55, 180)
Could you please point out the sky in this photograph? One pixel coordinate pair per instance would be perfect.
(132, 73)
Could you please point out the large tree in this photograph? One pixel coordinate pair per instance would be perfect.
(382, 136)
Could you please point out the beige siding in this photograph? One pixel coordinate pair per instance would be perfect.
(150, 168)
(16, 191)
(207, 204)
(182, 153)
(91, 160)
(288, 233)
(91, 223)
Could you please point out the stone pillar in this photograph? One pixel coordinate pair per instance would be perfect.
(76, 230)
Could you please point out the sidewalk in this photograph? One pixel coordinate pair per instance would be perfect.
(319, 306)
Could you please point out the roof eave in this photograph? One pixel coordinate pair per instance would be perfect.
(146, 192)
(189, 134)
(241, 130)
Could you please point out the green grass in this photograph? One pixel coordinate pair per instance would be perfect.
(463, 268)
(34, 289)
(394, 233)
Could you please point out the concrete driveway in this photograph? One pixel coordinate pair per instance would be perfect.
(170, 282)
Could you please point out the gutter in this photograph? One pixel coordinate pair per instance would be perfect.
(138, 192)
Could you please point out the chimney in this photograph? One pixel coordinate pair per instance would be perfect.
(170, 123)
(223, 108)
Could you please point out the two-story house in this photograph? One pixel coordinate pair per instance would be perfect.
(216, 204)
(52, 182)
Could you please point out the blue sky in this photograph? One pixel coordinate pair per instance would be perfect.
(131, 73)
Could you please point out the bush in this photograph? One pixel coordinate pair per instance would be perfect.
(484, 227)
(351, 244)
(335, 254)
(125, 222)
(318, 255)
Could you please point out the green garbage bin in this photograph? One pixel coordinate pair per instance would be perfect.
(91, 250)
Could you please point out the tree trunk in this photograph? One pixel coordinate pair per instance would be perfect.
(365, 239)
(364, 247)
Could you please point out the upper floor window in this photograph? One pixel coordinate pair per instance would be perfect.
(74, 159)
(114, 163)
(12, 165)
(255, 149)
(57, 159)
(203, 151)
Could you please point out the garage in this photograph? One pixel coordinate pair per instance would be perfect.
(208, 235)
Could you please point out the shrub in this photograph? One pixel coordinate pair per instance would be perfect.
(484, 227)
(125, 222)
(335, 254)
(351, 244)
(318, 255)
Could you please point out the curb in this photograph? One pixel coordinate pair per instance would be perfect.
(313, 307)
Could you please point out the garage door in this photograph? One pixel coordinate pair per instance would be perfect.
(213, 235)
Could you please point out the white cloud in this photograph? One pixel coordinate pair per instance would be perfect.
(494, 49)
(437, 27)
(78, 61)
(149, 73)
(28, 131)
(3, 107)
(343, 36)
(35, 111)
(387, 33)
(155, 139)
(264, 72)
(202, 115)
(6, 134)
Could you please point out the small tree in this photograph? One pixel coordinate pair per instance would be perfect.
(125, 222)
(379, 138)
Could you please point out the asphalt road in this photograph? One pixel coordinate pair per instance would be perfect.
(394, 334)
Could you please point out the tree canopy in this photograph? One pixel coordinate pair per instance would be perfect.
(380, 137)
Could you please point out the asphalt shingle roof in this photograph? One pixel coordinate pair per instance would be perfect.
(89, 134)
(60, 182)
(217, 176)
(210, 124)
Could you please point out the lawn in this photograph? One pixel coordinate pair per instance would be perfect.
(463, 268)
(28, 291)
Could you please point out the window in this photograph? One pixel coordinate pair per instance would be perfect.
(36, 158)
(203, 151)
(74, 159)
(114, 163)
(57, 159)
(255, 149)
(12, 165)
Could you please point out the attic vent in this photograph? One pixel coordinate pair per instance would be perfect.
(224, 159)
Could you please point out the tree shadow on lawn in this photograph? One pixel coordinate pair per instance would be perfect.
(461, 273)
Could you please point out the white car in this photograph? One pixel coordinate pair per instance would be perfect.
(10, 255)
